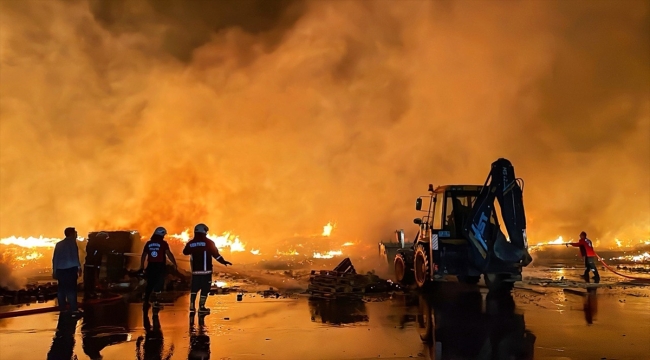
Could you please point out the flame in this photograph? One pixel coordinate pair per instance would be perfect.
(558, 241)
(348, 244)
(328, 255)
(255, 252)
(32, 242)
(222, 241)
(288, 253)
(220, 284)
(645, 257)
(327, 229)
(32, 256)
(618, 243)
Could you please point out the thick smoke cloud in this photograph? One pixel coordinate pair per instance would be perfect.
(273, 118)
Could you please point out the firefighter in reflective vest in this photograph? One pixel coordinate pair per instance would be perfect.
(201, 250)
(587, 251)
(155, 251)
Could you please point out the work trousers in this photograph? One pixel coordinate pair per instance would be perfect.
(203, 283)
(67, 288)
(590, 265)
(155, 275)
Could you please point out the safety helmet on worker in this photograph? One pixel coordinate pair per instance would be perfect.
(201, 229)
(161, 231)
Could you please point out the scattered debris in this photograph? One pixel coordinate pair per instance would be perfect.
(341, 283)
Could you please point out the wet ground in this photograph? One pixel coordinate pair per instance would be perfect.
(548, 317)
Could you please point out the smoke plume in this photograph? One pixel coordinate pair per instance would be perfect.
(8, 279)
(271, 118)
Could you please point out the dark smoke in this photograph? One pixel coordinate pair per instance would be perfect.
(271, 118)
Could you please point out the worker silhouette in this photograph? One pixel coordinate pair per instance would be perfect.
(587, 251)
(199, 340)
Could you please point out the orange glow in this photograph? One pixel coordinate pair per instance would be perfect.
(327, 255)
(225, 240)
(327, 229)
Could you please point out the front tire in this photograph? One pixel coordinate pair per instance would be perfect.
(421, 266)
(403, 273)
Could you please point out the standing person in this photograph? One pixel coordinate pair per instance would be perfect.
(155, 250)
(93, 263)
(66, 268)
(201, 250)
(587, 251)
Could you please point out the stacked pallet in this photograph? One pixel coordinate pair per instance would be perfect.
(341, 283)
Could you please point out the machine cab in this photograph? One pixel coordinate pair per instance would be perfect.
(448, 209)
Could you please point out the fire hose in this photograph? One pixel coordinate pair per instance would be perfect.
(642, 279)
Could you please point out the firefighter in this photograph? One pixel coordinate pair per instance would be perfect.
(201, 250)
(155, 250)
(93, 263)
(587, 251)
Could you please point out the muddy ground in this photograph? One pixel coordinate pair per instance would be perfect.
(551, 315)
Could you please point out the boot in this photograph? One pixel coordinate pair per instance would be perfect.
(192, 308)
(204, 310)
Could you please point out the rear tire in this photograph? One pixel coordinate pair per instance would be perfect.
(421, 266)
(403, 272)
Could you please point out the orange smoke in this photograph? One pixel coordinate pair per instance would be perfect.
(269, 118)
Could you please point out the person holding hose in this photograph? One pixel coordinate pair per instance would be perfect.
(155, 250)
(201, 250)
(590, 256)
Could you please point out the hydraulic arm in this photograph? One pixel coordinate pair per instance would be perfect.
(482, 227)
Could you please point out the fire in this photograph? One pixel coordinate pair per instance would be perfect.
(558, 241)
(32, 242)
(288, 253)
(645, 257)
(618, 243)
(220, 284)
(33, 256)
(327, 229)
(328, 255)
(348, 244)
(255, 252)
(222, 241)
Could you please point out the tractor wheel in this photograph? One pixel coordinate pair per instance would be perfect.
(471, 280)
(421, 266)
(495, 283)
(425, 321)
(403, 273)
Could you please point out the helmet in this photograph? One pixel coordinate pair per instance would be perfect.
(160, 231)
(201, 228)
